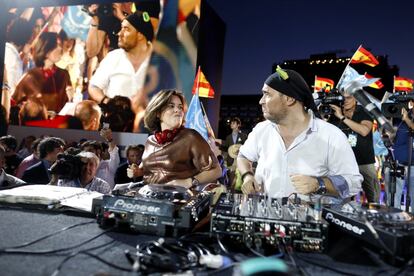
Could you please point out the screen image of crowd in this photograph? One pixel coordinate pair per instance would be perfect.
(67, 66)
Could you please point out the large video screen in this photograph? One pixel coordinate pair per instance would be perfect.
(82, 66)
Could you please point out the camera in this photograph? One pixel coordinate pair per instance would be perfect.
(103, 10)
(67, 166)
(324, 99)
(399, 100)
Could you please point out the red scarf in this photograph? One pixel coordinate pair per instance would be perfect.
(47, 73)
(166, 135)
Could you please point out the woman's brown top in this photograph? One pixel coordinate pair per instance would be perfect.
(186, 156)
(51, 91)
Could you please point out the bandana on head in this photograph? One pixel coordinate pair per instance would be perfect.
(291, 83)
(142, 23)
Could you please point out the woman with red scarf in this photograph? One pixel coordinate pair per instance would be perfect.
(175, 155)
(45, 82)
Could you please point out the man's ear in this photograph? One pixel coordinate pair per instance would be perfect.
(290, 101)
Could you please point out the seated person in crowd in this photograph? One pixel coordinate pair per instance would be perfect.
(32, 110)
(134, 158)
(29, 160)
(295, 151)
(25, 148)
(9, 143)
(89, 113)
(88, 179)
(175, 155)
(7, 180)
(49, 148)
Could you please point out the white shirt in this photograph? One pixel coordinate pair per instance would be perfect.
(107, 168)
(116, 75)
(14, 66)
(321, 150)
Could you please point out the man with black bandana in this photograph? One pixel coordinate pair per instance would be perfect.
(122, 72)
(295, 151)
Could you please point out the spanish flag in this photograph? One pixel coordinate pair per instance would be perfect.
(403, 84)
(202, 85)
(377, 85)
(323, 83)
(364, 56)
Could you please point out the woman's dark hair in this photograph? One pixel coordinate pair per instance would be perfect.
(46, 43)
(157, 105)
(118, 113)
(19, 32)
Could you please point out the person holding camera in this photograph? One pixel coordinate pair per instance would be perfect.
(295, 151)
(357, 126)
(400, 149)
(87, 178)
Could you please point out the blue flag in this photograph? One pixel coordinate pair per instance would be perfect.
(351, 75)
(194, 118)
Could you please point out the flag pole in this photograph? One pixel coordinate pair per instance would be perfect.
(349, 62)
(198, 80)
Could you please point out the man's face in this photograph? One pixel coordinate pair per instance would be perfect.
(234, 125)
(274, 106)
(89, 169)
(55, 153)
(128, 36)
(134, 157)
(350, 101)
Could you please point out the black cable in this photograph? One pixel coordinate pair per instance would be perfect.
(47, 236)
(86, 252)
(221, 245)
(41, 252)
(325, 266)
(101, 260)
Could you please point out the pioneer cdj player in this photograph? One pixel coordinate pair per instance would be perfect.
(388, 229)
(154, 209)
(259, 222)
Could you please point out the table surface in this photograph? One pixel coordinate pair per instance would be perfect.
(18, 226)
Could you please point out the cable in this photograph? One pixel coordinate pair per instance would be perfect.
(86, 252)
(325, 266)
(221, 245)
(12, 251)
(47, 236)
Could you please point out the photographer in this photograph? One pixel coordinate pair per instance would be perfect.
(87, 178)
(401, 151)
(357, 126)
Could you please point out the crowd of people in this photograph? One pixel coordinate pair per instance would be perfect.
(292, 151)
(48, 75)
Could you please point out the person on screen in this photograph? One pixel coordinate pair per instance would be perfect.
(175, 155)
(107, 25)
(89, 114)
(45, 82)
(295, 151)
(122, 72)
(18, 35)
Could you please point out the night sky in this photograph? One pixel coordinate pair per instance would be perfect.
(268, 31)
